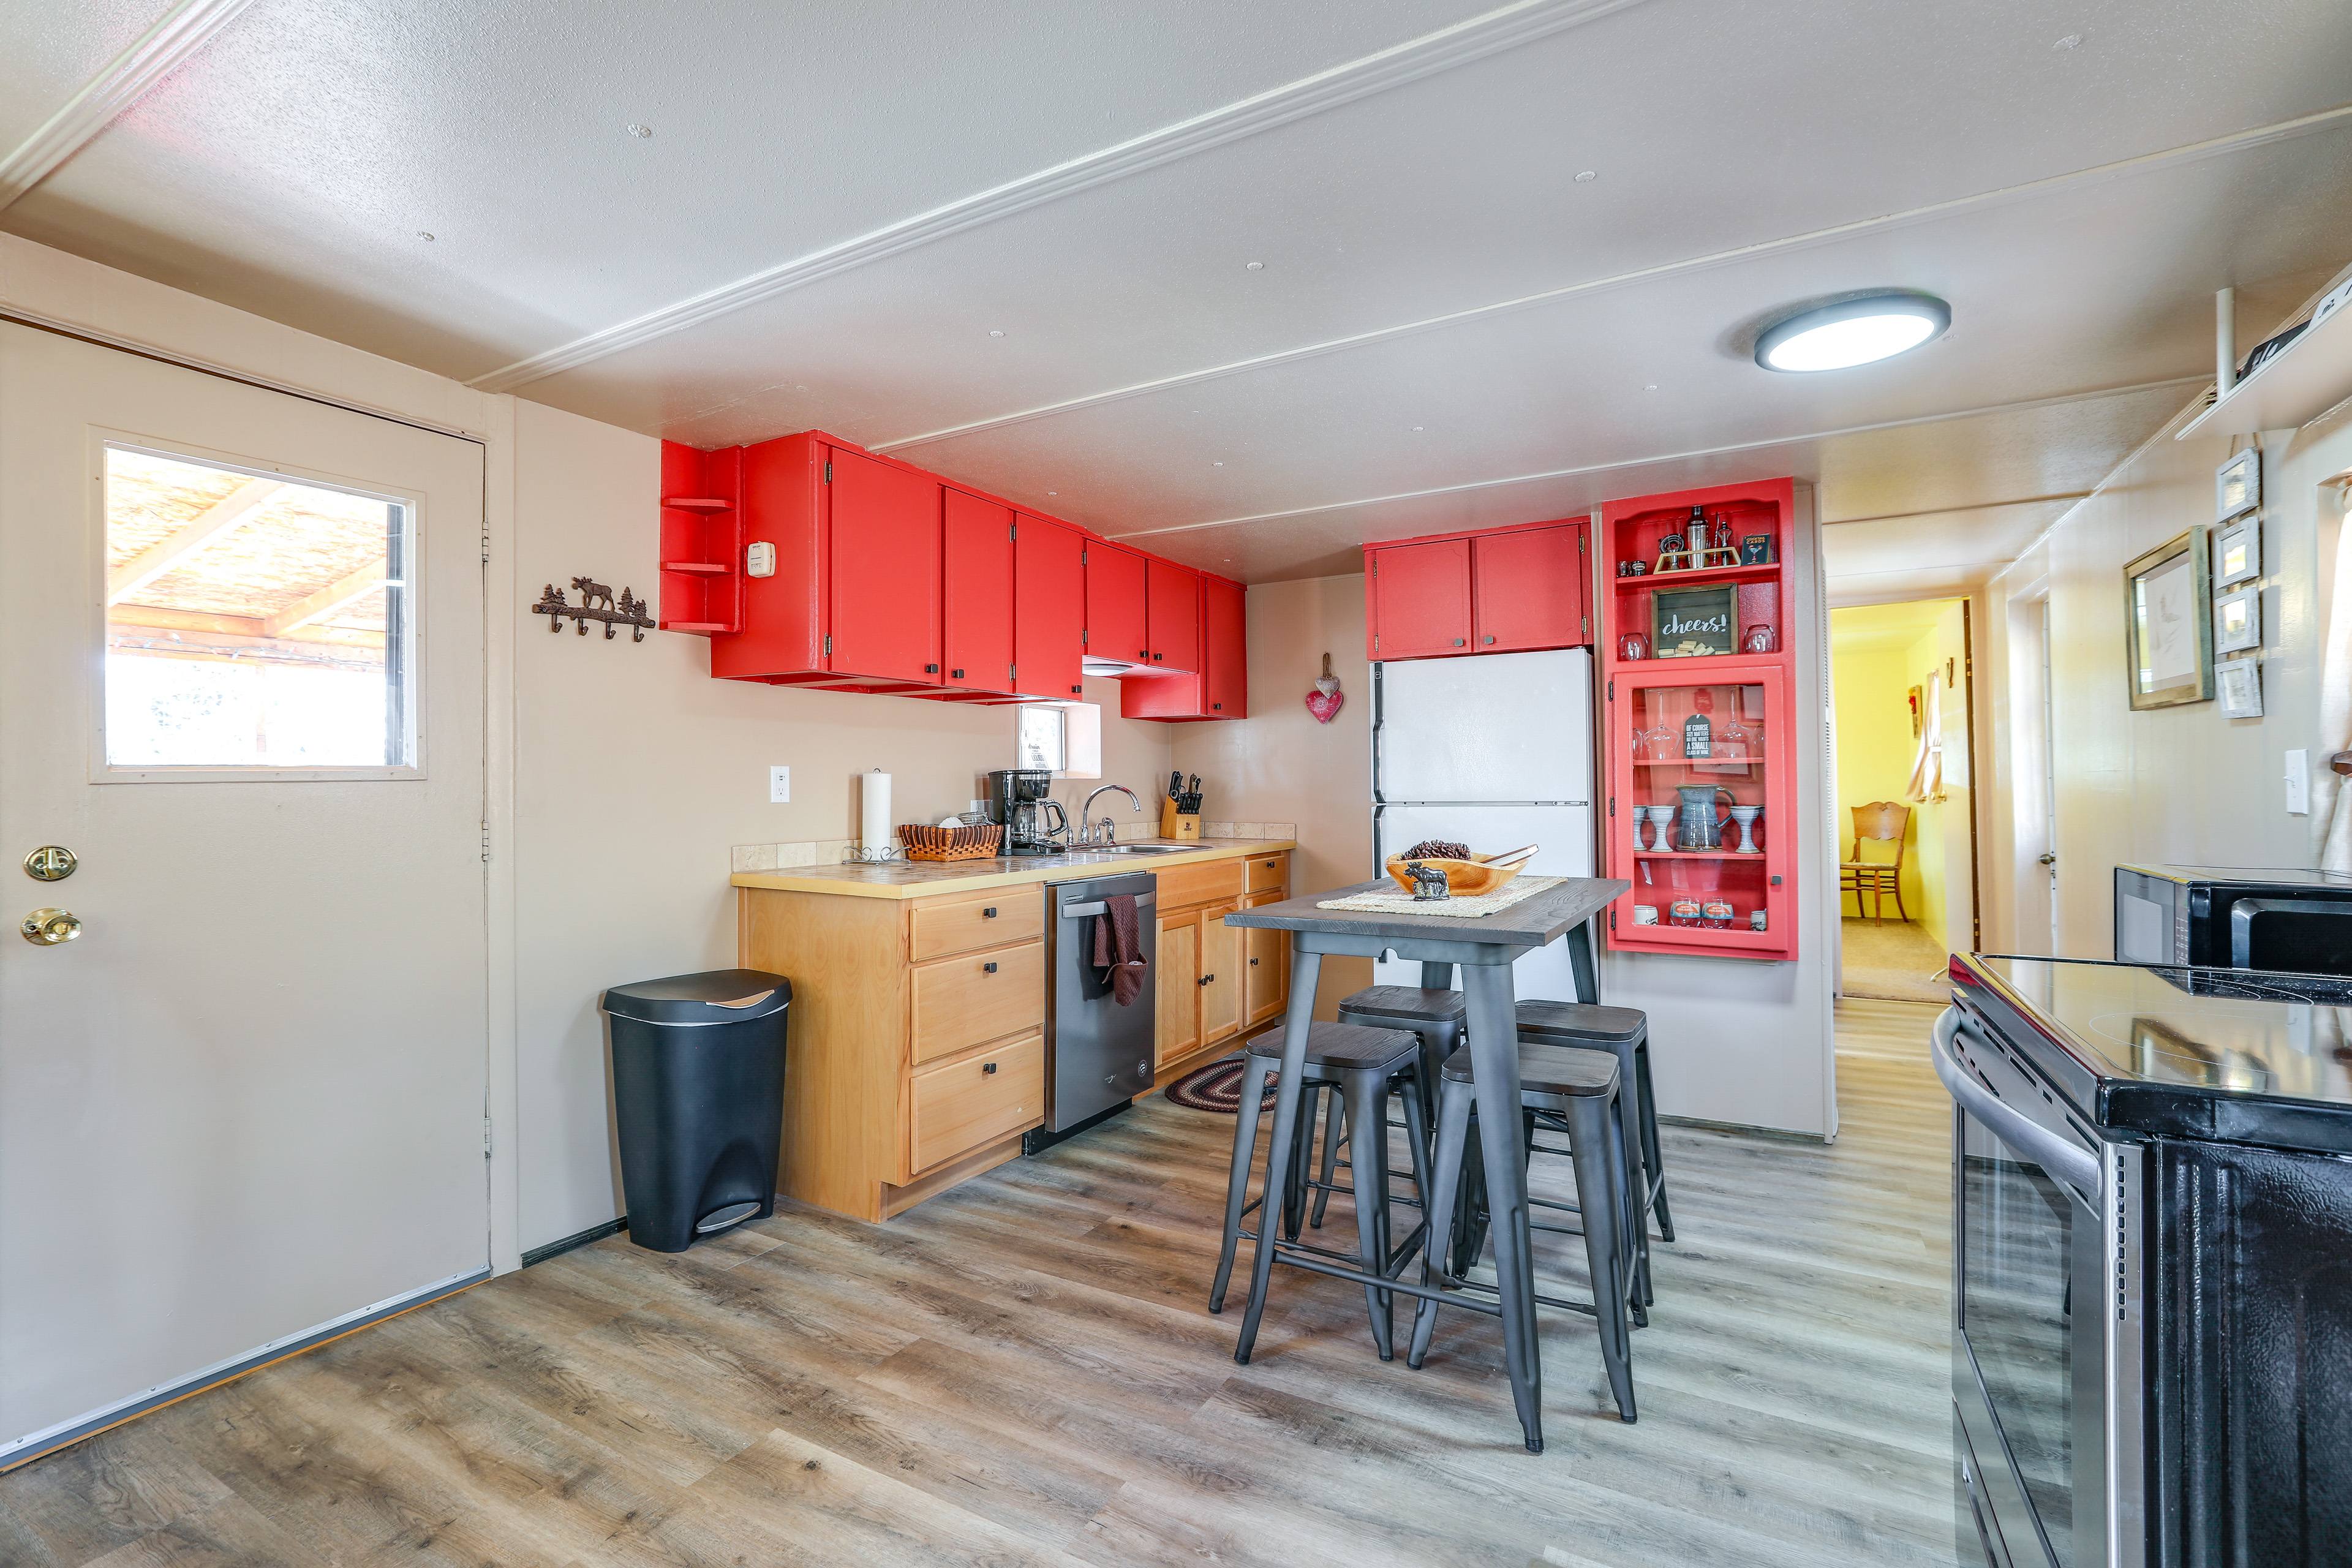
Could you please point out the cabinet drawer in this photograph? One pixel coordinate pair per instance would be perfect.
(1209, 882)
(958, 925)
(965, 1105)
(961, 1001)
(1267, 872)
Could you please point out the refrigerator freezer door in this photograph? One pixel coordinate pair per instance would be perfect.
(1565, 834)
(1506, 726)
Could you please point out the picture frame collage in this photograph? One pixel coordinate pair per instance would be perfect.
(2237, 580)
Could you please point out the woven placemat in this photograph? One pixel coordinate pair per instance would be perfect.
(1465, 909)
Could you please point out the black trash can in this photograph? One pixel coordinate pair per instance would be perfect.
(699, 1089)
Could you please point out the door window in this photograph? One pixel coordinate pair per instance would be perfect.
(254, 621)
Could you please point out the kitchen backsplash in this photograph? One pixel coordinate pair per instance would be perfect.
(830, 851)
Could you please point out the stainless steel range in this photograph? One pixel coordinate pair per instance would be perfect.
(2152, 1264)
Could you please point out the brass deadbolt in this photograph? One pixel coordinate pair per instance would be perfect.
(50, 863)
(51, 928)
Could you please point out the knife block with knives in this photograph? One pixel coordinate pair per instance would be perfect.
(1180, 812)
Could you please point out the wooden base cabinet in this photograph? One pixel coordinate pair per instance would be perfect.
(1216, 981)
(916, 1051)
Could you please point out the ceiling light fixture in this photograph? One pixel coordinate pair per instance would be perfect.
(1852, 331)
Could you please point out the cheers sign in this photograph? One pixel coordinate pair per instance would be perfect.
(1689, 623)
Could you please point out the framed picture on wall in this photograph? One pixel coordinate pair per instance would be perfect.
(2168, 622)
(1689, 623)
(2239, 682)
(2238, 486)
(2238, 621)
(2238, 552)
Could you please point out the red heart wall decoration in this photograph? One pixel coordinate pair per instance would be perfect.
(1325, 705)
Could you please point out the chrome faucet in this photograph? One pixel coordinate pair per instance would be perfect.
(1109, 833)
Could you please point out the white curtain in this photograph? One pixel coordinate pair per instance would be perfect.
(1928, 767)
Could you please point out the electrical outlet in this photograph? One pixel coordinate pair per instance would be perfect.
(779, 786)
(2298, 782)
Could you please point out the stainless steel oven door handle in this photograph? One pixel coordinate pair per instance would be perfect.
(2064, 1158)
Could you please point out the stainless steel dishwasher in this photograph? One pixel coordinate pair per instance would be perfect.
(1098, 1054)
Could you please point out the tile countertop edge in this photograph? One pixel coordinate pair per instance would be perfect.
(942, 877)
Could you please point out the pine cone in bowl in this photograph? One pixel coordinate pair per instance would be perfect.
(1437, 850)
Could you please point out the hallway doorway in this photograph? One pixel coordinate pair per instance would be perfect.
(1905, 819)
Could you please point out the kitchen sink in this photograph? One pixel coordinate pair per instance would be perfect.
(1132, 848)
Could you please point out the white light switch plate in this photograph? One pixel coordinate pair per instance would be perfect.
(2298, 782)
(779, 786)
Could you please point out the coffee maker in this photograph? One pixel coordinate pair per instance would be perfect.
(1017, 799)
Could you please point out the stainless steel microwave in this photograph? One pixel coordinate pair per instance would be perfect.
(2223, 918)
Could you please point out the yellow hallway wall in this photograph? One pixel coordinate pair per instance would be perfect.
(1875, 747)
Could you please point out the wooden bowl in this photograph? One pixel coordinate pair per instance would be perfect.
(1467, 878)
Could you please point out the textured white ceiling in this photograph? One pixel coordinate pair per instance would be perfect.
(839, 203)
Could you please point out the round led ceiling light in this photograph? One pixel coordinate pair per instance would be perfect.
(1852, 331)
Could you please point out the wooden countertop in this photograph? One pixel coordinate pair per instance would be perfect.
(920, 879)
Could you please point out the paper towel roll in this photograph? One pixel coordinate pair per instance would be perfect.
(874, 823)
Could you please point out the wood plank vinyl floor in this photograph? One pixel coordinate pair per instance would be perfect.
(1023, 1373)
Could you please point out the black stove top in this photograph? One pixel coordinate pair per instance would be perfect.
(2204, 1053)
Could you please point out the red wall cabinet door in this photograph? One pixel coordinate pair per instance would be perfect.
(976, 611)
(1421, 599)
(884, 580)
(1172, 617)
(1049, 609)
(1529, 589)
(1224, 647)
(1117, 624)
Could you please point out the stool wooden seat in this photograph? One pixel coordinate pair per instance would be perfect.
(1577, 1091)
(1358, 1063)
(1435, 1014)
(1436, 1006)
(1624, 1031)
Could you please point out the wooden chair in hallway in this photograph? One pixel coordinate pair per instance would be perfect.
(1880, 822)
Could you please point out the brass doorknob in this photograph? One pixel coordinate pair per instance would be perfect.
(48, 928)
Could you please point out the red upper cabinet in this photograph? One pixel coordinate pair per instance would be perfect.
(1528, 588)
(884, 537)
(1225, 637)
(976, 600)
(1421, 599)
(1117, 622)
(1172, 617)
(1049, 609)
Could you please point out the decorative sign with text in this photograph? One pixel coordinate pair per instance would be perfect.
(1690, 623)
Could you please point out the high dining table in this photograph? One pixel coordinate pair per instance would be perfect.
(1485, 946)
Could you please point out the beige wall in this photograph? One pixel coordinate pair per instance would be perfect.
(2180, 783)
(1280, 765)
(637, 773)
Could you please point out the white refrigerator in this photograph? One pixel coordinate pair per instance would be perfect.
(1494, 750)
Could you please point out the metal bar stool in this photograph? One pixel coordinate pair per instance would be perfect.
(1358, 1063)
(1435, 1018)
(1576, 1090)
(1624, 1033)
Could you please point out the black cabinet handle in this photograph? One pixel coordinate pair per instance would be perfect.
(1457, 642)
(1489, 638)
(958, 674)
(1252, 963)
(1078, 690)
(987, 1068)
(1216, 705)
(1155, 659)
(988, 969)
(930, 669)
(1206, 978)
(989, 913)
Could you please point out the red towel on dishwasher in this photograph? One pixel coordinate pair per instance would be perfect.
(1118, 950)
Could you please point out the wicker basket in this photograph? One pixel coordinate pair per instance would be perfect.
(926, 843)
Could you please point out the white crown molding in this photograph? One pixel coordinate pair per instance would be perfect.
(1691, 455)
(2236, 142)
(183, 29)
(1506, 28)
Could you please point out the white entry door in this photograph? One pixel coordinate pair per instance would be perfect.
(241, 684)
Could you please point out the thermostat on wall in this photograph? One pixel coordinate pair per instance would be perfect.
(759, 560)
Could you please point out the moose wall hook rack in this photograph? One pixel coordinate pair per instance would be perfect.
(596, 604)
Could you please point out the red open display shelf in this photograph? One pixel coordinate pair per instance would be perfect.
(702, 540)
(1681, 726)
